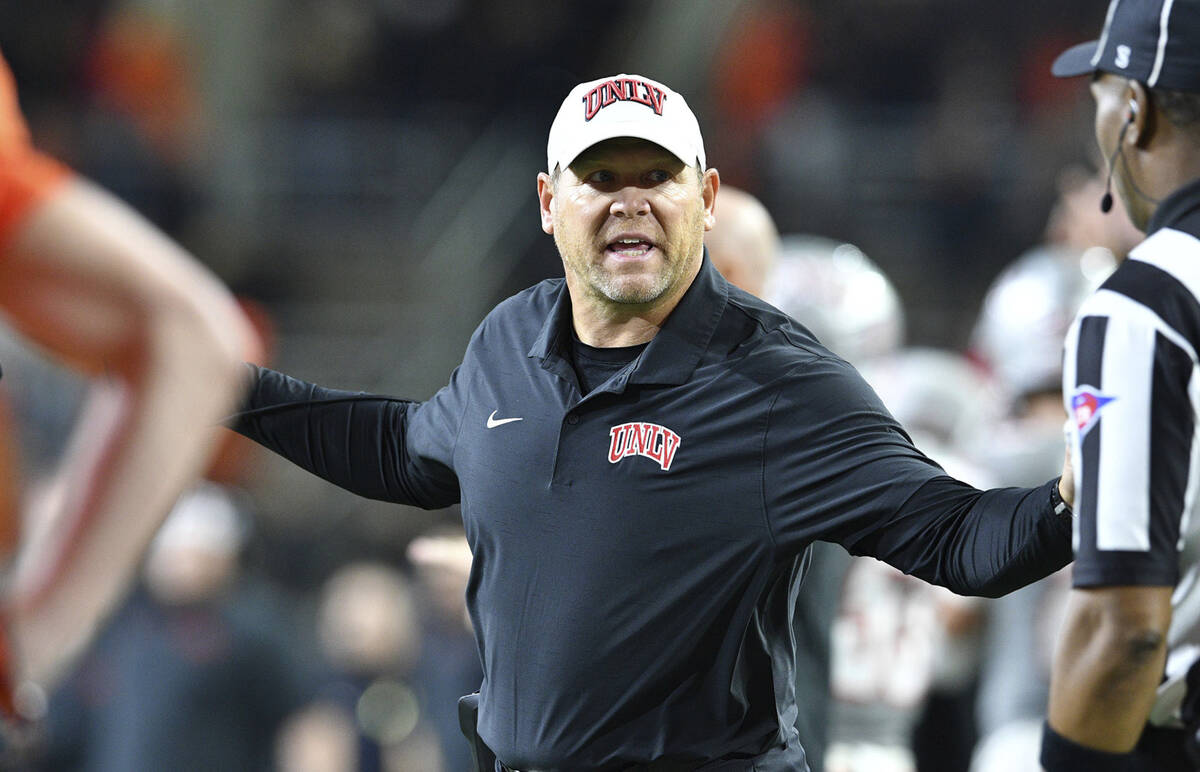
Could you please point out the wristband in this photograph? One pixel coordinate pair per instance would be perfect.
(1062, 755)
(1058, 504)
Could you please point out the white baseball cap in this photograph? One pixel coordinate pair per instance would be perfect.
(623, 106)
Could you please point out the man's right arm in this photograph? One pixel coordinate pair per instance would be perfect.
(357, 441)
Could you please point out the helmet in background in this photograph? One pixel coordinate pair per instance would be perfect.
(1027, 311)
(839, 294)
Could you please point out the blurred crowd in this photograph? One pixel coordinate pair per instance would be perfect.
(356, 168)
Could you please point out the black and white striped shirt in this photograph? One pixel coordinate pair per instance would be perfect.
(1131, 388)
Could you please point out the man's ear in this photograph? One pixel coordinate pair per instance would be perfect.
(709, 186)
(545, 190)
(1141, 116)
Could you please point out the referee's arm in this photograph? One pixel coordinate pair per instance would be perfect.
(1132, 455)
(1110, 658)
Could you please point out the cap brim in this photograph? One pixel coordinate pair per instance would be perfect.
(1075, 61)
(617, 130)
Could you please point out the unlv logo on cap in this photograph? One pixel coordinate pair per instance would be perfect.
(655, 442)
(623, 90)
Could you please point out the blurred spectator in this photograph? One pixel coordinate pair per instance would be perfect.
(763, 59)
(196, 672)
(449, 664)
(319, 738)
(744, 243)
(367, 716)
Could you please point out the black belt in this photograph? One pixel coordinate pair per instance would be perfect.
(484, 760)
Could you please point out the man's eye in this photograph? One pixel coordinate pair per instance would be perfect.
(659, 175)
(600, 176)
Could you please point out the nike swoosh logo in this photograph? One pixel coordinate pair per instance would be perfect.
(493, 422)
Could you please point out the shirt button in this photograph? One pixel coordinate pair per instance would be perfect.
(572, 419)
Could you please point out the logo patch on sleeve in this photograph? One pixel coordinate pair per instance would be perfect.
(1087, 403)
(655, 442)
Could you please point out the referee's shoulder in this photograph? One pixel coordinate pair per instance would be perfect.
(1167, 262)
(1162, 269)
(1159, 282)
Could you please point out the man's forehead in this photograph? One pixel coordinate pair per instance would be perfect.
(625, 148)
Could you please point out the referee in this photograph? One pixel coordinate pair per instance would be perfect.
(643, 454)
(1125, 690)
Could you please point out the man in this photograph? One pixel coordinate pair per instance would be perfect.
(1128, 650)
(86, 278)
(643, 453)
(744, 243)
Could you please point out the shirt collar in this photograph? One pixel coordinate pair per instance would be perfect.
(676, 350)
(1176, 207)
(672, 354)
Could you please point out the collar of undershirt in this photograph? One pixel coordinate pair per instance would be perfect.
(1180, 210)
(672, 355)
(618, 355)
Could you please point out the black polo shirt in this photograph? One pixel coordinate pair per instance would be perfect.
(638, 549)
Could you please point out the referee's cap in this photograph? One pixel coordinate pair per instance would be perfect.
(1155, 42)
(623, 106)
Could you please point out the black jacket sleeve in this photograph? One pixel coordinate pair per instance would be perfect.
(365, 443)
(985, 543)
(840, 469)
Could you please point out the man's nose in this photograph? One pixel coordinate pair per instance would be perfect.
(630, 201)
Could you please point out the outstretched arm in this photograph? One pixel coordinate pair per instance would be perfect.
(87, 278)
(842, 470)
(380, 447)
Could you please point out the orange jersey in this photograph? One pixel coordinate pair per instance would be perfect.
(27, 177)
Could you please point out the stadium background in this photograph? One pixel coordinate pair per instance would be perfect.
(363, 170)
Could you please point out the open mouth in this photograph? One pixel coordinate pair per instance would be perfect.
(630, 247)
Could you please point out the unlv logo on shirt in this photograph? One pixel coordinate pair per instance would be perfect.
(655, 442)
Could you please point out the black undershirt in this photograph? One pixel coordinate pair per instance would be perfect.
(593, 366)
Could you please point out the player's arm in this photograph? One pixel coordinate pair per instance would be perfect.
(95, 284)
(1108, 664)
